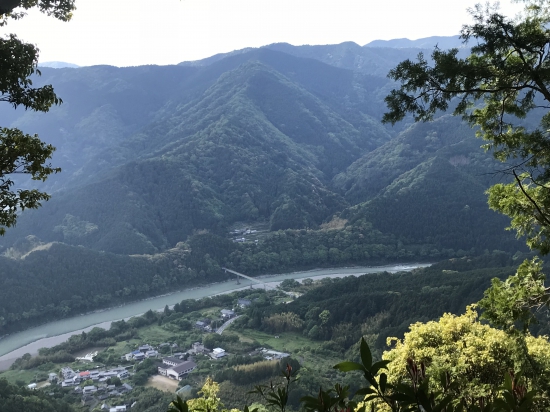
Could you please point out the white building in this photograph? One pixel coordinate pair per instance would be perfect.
(218, 353)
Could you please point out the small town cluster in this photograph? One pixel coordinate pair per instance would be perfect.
(104, 386)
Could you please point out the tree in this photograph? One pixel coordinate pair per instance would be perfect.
(475, 357)
(502, 89)
(60, 9)
(22, 153)
(505, 78)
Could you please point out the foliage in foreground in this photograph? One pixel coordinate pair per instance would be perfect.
(22, 153)
(454, 364)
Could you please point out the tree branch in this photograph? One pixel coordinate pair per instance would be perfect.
(531, 199)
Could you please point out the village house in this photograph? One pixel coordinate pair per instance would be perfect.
(172, 361)
(123, 375)
(200, 324)
(197, 347)
(243, 303)
(89, 389)
(67, 373)
(145, 348)
(227, 313)
(139, 356)
(87, 400)
(218, 353)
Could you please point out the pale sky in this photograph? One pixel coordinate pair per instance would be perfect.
(137, 32)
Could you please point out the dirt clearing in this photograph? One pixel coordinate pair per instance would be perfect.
(162, 383)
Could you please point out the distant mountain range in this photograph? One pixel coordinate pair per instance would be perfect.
(282, 134)
(165, 161)
(58, 65)
(443, 42)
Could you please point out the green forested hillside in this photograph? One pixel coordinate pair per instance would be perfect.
(428, 186)
(158, 159)
(383, 305)
(255, 145)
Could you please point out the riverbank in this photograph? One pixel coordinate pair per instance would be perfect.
(53, 333)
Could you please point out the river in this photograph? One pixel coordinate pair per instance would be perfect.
(53, 333)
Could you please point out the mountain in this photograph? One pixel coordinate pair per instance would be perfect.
(261, 141)
(376, 58)
(277, 135)
(428, 186)
(58, 65)
(442, 42)
(162, 163)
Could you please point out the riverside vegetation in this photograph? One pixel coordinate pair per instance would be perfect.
(375, 307)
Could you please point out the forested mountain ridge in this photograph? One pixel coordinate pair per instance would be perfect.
(163, 162)
(446, 137)
(428, 185)
(375, 58)
(255, 144)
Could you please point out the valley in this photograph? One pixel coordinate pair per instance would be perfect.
(279, 228)
(54, 333)
(161, 164)
(314, 340)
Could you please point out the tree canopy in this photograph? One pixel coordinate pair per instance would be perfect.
(503, 90)
(22, 153)
(476, 356)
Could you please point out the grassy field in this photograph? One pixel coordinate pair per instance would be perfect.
(155, 334)
(285, 342)
(13, 376)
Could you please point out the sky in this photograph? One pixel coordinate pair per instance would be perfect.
(138, 32)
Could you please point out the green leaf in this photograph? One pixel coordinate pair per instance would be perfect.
(349, 366)
(379, 365)
(364, 391)
(366, 355)
(383, 381)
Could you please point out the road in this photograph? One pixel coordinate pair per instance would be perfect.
(226, 324)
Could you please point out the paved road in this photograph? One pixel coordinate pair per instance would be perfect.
(226, 324)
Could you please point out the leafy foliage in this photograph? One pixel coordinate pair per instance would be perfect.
(19, 152)
(16, 399)
(507, 71)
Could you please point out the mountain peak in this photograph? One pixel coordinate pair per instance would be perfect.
(58, 65)
(443, 42)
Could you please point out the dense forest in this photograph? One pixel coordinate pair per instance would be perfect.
(383, 305)
(161, 164)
